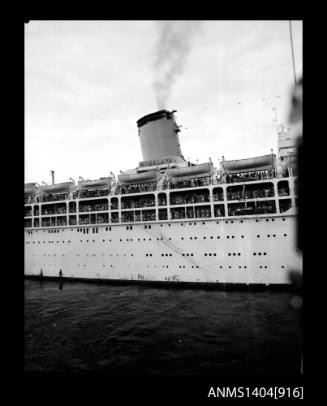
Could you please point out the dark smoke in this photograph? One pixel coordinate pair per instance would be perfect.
(170, 55)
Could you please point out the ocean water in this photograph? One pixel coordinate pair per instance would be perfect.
(74, 327)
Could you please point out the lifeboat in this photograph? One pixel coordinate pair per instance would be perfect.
(64, 187)
(260, 163)
(195, 171)
(127, 179)
(31, 188)
(101, 183)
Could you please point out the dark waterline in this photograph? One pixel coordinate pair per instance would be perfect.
(135, 330)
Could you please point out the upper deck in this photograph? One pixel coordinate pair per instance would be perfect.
(252, 194)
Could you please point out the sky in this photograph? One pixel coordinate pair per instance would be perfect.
(88, 82)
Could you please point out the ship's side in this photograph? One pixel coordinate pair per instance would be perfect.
(241, 249)
(168, 221)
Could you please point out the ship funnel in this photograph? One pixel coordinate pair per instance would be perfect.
(158, 134)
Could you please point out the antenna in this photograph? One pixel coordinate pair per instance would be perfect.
(52, 177)
(275, 120)
(291, 37)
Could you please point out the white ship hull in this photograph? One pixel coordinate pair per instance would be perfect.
(248, 251)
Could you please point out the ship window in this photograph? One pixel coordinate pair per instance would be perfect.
(283, 188)
(284, 205)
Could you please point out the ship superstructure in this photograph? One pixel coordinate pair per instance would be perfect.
(169, 220)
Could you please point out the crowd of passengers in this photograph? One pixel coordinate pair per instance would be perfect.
(187, 198)
(249, 176)
(264, 209)
(146, 201)
(52, 197)
(137, 188)
(130, 217)
(198, 213)
(58, 210)
(93, 207)
(249, 194)
(196, 182)
(92, 193)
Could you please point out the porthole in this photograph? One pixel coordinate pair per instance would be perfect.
(242, 236)
(228, 236)
(258, 236)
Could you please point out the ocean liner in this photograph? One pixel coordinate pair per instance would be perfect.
(170, 220)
